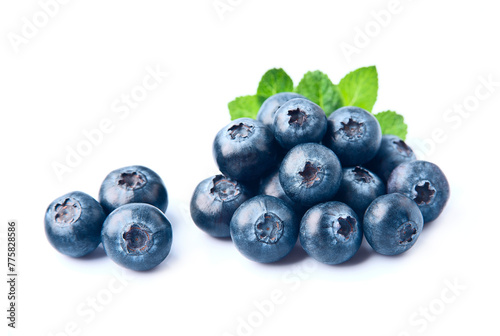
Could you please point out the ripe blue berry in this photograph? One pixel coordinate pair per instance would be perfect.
(310, 174)
(245, 149)
(73, 224)
(264, 229)
(137, 236)
(354, 135)
(213, 203)
(392, 224)
(133, 184)
(423, 182)
(331, 232)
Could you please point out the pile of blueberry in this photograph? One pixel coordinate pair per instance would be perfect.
(294, 173)
(129, 220)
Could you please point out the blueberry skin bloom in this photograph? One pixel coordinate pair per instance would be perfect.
(213, 203)
(392, 152)
(272, 104)
(133, 184)
(331, 232)
(299, 121)
(359, 188)
(137, 236)
(73, 224)
(354, 135)
(245, 149)
(392, 224)
(423, 182)
(270, 185)
(310, 174)
(264, 229)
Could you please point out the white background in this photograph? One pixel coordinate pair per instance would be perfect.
(64, 80)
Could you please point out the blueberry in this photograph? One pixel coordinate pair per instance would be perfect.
(272, 104)
(264, 229)
(245, 149)
(359, 188)
(353, 134)
(422, 182)
(213, 203)
(133, 184)
(331, 232)
(299, 121)
(310, 174)
(270, 185)
(137, 236)
(392, 224)
(73, 224)
(392, 152)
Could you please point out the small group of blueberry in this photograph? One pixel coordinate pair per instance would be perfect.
(129, 220)
(294, 174)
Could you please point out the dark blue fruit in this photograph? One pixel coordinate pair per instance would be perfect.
(270, 185)
(310, 174)
(331, 232)
(392, 152)
(213, 203)
(133, 184)
(272, 104)
(245, 149)
(299, 121)
(392, 224)
(137, 236)
(264, 229)
(73, 224)
(354, 135)
(422, 182)
(359, 188)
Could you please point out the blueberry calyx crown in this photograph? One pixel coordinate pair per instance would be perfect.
(68, 211)
(297, 117)
(423, 193)
(269, 228)
(343, 227)
(310, 173)
(224, 189)
(362, 175)
(137, 239)
(406, 232)
(403, 148)
(240, 130)
(352, 129)
(132, 180)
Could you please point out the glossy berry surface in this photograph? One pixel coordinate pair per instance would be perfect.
(359, 188)
(137, 236)
(392, 152)
(245, 149)
(272, 104)
(423, 182)
(270, 185)
(354, 135)
(299, 121)
(213, 203)
(133, 184)
(331, 232)
(310, 174)
(73, 224)
(392, 224)
(264, 229)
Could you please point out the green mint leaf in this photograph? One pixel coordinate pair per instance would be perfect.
(316, 86)
(245, 107)
(274, 81)
(359, 88)
(392, 123)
